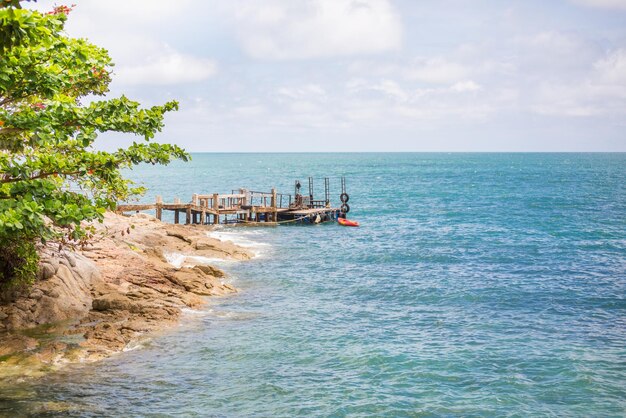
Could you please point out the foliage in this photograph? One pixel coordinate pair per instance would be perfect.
(18, 262)
(51, 176)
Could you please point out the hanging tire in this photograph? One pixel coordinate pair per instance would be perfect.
(344, 197)
(345, 208)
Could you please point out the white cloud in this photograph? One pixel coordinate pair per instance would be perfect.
(351, 68)
(376, 91)
(599, 92)
(279, 30)
(166, 67)
(306, 91)
(138, 11)
(392, 89)
(137, 44)
(555, 41)
(465, 86)
(604, 4)
(436, 70)
(613, 67)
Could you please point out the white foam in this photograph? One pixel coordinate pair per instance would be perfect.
(181, 260)
(244, 238)
(136, 345)
(194, 312)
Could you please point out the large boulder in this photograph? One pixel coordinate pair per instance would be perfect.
(62, 292)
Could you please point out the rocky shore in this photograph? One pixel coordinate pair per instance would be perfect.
(89, 304)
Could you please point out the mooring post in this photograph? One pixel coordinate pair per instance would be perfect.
(159, 207)
(273, 202)
(216, 208)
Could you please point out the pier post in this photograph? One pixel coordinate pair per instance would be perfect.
(216, 207)
(159, 207)
(188, 213)
(273, 203)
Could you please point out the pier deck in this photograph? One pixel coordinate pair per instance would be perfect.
(246, 207)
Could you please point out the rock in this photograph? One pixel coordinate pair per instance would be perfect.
(146, 216)
(156, 252)
(51, 292)
(136, 325)
(36, 294)
(116, 291)
(210, 270)
(112, 301)
(52, 352)
(107, 336)
(47, 270)
(15, 343)
(48, 265)
(204, 244)
(175, 234)
(71, 258)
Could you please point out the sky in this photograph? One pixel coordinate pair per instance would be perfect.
(369, 75)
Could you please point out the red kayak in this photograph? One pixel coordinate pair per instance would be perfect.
(345, 222)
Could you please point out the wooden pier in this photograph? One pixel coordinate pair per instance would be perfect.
(248, 208)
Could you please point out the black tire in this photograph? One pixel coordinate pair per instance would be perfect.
(344, 197)
(345, 208)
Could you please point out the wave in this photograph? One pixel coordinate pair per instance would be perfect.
(243, 239)
(182, 260)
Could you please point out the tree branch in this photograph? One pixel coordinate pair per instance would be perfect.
(39, 176)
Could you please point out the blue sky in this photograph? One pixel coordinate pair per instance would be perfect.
(370, 75)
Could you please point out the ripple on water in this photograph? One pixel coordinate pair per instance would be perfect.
(477, 285)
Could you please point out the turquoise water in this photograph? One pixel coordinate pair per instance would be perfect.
(477, 285)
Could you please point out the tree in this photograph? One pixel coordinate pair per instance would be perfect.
(52, 178)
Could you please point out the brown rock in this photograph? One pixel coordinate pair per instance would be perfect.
(47, 270)
(36, 294)
(120, 289)
(111, 302)
(15, 343)
(204, 244)
(177, 234)
(210, 270)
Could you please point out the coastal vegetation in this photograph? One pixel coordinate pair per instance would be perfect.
(52, 177)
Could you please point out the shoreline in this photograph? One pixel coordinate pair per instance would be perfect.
(133, 282)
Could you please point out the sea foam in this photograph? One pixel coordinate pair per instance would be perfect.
(179, 260)
(247, 239)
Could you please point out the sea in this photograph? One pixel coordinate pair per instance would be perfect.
(478, 285)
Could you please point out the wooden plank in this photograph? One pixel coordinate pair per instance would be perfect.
(311, 211)
(132, 208)
(222, 196)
